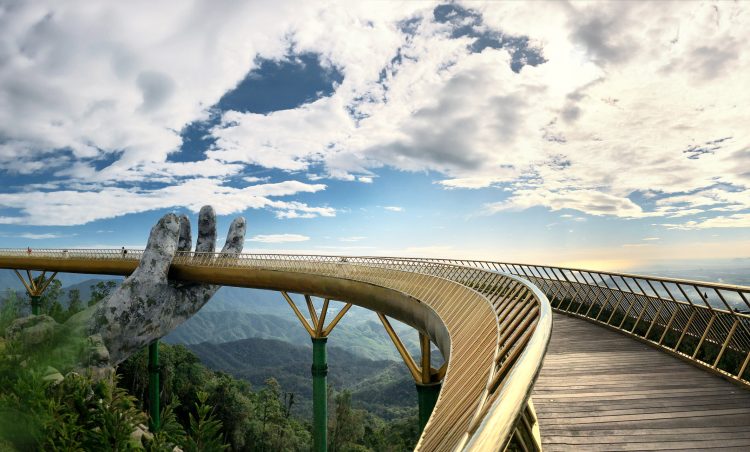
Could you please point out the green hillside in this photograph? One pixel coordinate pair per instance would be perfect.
(9, 280)
(382, 387)
(358, 334)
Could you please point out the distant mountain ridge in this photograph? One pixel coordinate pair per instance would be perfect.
(236, 313)
(383, 387)
(227, 326)
(9, 280)
(363, 337)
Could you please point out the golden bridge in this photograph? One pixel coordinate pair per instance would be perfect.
(611, 361)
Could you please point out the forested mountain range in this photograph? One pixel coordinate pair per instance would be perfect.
(381, 387)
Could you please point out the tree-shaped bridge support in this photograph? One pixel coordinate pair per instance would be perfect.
(319, 335)
(35, 287)
(427, 378)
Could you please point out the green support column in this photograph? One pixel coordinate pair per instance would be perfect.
(427, 395)
(36, 304)
(153, 385)
(320, 395)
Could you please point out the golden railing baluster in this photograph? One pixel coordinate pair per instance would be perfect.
(684, 330)
(606, 298)
(640, 315)
(703, 338)
(669, 324)
(726, 342)
(560, 287)
(744, 365)
(630, 296)
(653, 322)
(590, 288)
(573, 297)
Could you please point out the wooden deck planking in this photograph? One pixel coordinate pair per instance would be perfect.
(601, 390)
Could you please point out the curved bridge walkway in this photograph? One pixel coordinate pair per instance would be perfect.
(601, 390)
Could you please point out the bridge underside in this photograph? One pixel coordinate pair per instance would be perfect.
(600, 390)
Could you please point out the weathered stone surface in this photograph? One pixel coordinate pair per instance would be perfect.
(98, 354)
(147, 305)
(32, 330)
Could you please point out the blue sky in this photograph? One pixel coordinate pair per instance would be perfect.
(609, 135)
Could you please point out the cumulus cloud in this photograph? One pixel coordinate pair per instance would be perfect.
(603, 119)
(631, 110)
(80, 207)
(265, 140)
(394, 208)
(589, 201)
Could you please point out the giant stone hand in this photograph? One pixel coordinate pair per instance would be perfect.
(148, 305)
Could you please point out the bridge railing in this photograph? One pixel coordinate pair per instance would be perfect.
(705, 323)
(522, 317)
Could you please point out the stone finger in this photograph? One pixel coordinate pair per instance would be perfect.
(206, 230)
(185, 242)
(235, 237)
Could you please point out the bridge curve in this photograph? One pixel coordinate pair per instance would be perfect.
(492, 328)
(492, 320)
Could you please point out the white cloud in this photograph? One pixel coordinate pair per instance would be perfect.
(352, 239)
(279, 238)
(33, 236)
(394, 208)
(80, 207)
(603, 127)
(254, 180)
(266, 140)
(591, 201)
(151, 70)
(740, 220)
(294, 209)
